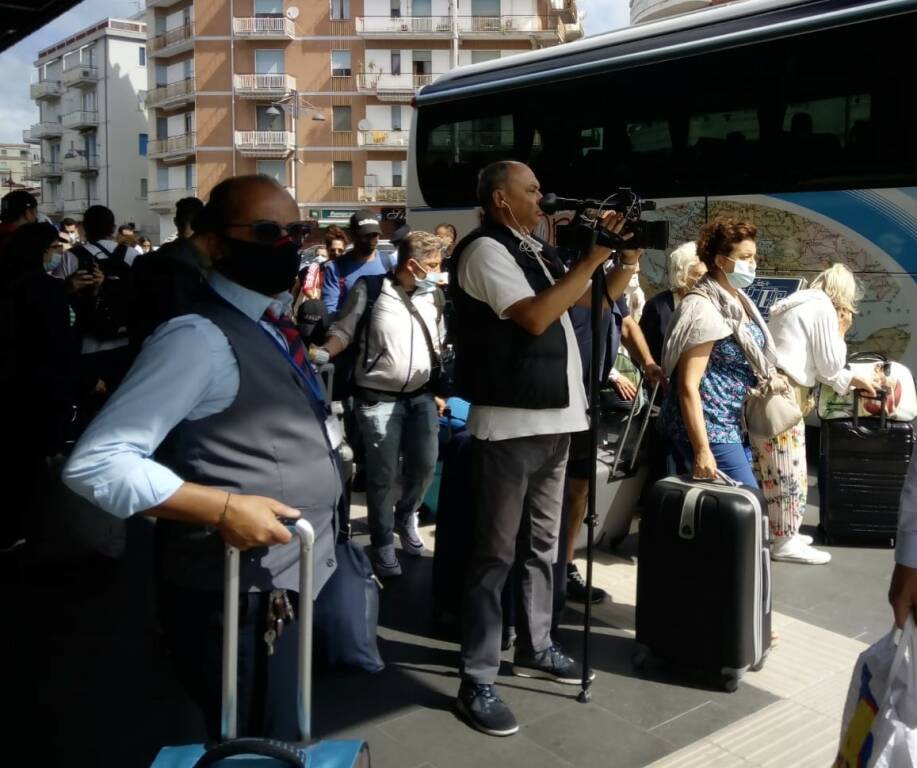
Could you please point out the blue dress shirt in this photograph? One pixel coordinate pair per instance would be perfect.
(186, 370)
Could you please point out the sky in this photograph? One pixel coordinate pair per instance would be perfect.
(18, 111)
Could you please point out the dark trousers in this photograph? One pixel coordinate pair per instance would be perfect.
(517, 487)
(193, 624)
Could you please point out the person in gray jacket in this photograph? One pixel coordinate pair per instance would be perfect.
(397, 322)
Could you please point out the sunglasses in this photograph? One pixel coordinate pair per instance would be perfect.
(264, 231)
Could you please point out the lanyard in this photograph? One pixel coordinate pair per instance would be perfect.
(309, 378)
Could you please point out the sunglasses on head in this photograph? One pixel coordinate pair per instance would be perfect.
(264, 231)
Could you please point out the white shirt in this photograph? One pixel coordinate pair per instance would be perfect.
(186, 370)
(489, 273)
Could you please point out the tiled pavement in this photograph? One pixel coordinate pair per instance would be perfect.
(88, 679)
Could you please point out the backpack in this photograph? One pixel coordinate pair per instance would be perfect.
(345, 363)
(106, 315)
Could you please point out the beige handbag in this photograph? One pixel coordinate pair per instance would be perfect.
(771, 409)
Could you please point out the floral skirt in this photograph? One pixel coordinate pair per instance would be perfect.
(780, 464)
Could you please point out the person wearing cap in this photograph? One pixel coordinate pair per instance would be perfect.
(361, 261)
(402, 232)
(17, 208)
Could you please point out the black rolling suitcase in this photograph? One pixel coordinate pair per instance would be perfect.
(862, 466)
(703, 578)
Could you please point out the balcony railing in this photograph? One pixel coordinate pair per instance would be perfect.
(28, 138)
(265, 143)
(263, 86)
(407, 26)
(383, 194)
(502, 26)
(389, 87)
(80, 76)
(165, 199)
(45, 170)
(383, 139)
(48, 130)
(172, 94)
(82, 163)
(51, 207)
(264, 27)
(173, 145)
(173, 41)
(79, 205)
(46, 89)
(81, 120)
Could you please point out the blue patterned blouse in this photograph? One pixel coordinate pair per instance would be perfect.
(722, 393)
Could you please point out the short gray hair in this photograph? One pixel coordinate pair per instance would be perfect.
(680, 262)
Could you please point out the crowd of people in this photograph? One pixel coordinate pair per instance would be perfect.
(184, 383)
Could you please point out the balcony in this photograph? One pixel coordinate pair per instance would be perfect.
(264, 27)
(506, 27)
(28, 138)
(392, 88)
(80, 76)
(567, 33)
(407, 27)
(46, 170)
(82, 163)
(173, 148)
(383, 140)
(81, 120)
(172, 95)
(160, 3)
(79, 205)
(265, 143)
(48, 130)
(567, 10)
(172, 42)
(163, 200)
(382, 194)
(51, 207)
(46, 89)
(263, 86)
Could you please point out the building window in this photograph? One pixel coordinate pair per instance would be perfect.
(143, 140)
(395, 9)
(268, 7)
(342, 173)
(396, 117)
(341, 118)
(141, 52)
(269, 61)
(340, 63)
(265, 121)
(276, 169)
(397, 178)
(340, 9)
(143, 188)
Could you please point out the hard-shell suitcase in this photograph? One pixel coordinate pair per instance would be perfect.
(703, 578)
(862, 467)
(267, 753)
(452, 422)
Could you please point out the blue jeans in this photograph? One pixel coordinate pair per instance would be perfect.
(407, 427)
(732, 459)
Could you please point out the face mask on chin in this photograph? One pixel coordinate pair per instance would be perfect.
(266, 268)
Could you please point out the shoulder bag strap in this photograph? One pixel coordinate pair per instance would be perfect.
(402, 294)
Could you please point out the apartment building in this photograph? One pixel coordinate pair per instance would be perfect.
(651, 10)
(92, 126)
(315, 94)
(16, 161)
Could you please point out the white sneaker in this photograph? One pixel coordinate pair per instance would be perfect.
(411, 543)
(805, 538)
(791, 549)
(384, 561)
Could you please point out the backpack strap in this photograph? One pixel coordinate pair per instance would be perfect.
(373, 285)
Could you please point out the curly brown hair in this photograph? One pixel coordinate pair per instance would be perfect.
(334, 232)
(720, 236)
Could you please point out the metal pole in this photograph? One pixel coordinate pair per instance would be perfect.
(598, 293)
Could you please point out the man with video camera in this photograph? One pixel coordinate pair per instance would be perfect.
(517, 364)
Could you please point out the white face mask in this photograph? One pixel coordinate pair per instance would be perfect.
(743, 274)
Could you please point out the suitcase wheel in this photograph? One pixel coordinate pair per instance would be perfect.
(730, 682)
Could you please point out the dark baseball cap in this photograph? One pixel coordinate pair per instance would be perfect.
(402, 232)
(16, 203)
(364, 222)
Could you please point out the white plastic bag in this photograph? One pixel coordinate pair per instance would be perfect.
(880, 716)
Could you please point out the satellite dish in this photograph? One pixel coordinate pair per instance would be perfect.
(364, 125)
(293, 13)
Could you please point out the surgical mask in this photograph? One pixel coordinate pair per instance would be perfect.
(267, 268)
(742, 275)
(55, 261)
(431, 280)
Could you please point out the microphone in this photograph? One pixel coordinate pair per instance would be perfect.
(551, 203)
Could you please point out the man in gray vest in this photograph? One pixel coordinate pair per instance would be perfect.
(517, 364)
(219, 432)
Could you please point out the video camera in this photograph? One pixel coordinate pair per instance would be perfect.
(585, 226)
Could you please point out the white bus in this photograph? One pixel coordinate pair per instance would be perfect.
(801, 117)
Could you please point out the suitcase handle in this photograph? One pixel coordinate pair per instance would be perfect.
(228, 722)
(277, 750)
(881, 395)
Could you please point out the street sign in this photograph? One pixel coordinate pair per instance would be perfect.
(338, 214)
(767, 291)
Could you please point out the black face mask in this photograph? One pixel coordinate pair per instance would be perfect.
(268, 268)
